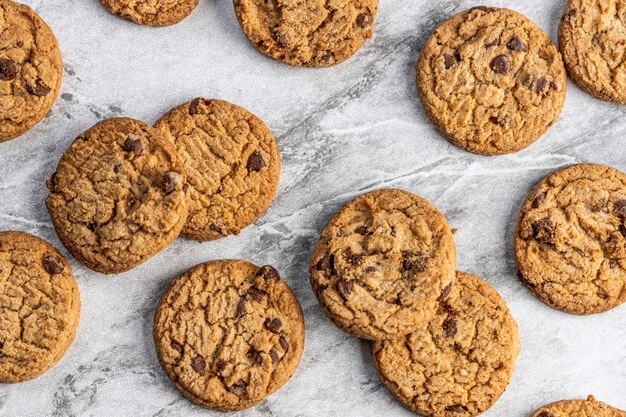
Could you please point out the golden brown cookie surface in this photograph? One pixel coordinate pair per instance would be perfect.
(151, 12)
(381, 264)
(39, 306)
(232, 161)
(592, 38)
(579, 408)
(491, 81)
(310, 33)
(118, 195)
(229, 333)
(458, 364)
(570, 239)
(30, 69)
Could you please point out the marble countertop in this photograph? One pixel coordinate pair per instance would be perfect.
(342, 131)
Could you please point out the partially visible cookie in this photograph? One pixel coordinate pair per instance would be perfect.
(592, 38)
(579, 408)
(118, 195)
(232, 161)
(151, 12)
(307, 33)
(459, 363)
(382, 263)
(570, 239)
(39, 306)
(30, 69)
(491, 81)
(228, 334)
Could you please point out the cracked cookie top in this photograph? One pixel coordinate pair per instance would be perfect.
(592, 37)
(151, 12)
(579, 408)
(39, 306)
(459, 363)
(309, 33)
(570, 239)
(491, 81)
(229, 333)
(118, 195)
(381, 264)
(30, 69)
(232, 161)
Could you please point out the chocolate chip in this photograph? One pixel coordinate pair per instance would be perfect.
(449, 60)
(516, 44)
(281, 39)
(413, 262)
(268, 273)
(612, 264)
(273, 325)
(619, 208)
(20, 43)
(501, 64)
(327, 58)
(255, 294)
(198, 365)
(543, 230)
(362, 230)
(8, 69)
(39, 89)
(622, 229)
(185, 188)
(449, 327)
(540, 85)
(177, 347)
(538, 200)
(92, 226)
(344, 288)
(545, 414)
(496, 121)
(274, 355)
(117, 168)
(445, 293)
(220, 365)
(133, 145)
(255, 161)
(283, 343)
(52, 265)
(241, 307)
(193, 106)
(364, 20)
(566, 16)
(215, 228)
(456, 409)
(255, 355)
(170, 181)
(326, 265)
(239, 384)
(371, 269)
(351, 257)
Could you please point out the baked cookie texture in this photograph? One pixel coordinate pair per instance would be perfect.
(491, 81)
(382, 263)
(570, 239)
(229, 333)
(118, 195)
(30, 69)
(39, 306)
(151, 12)
(232, 161)
(307, 33)
(459, 363)
(579, 408)
(592, 38)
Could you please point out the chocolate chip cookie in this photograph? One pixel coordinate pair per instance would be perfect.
(570, 239)
(579, 408)
(307, 33)
(118, 195)
(459, 363)
(228, 334)
(592, 38)
(382, 263)
(30, 69)
(151, 12)
(232, 161)
(39, 306)
(491, 81)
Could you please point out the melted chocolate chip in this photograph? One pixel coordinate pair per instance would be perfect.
(445, 293)
(501, 64)
(449, 60)
(220, 365)
(255, 356)
(198, 365)
(255, 294)
(215, 228)
(39, 89)
(326, 265)
(52, 265)
(538, 200)
(255, 161)
(449, 327)
(543, 230)
(619, 208)
(177, 347)
(351, 257)
(516, 44)
(170, 181)
(364, 20)
(362, 230)
(8, 69)
(414, 262)
(540, 85)
(193, 106)
(344, 288)
(241, 307)
(494, 120)
(133, 145)
(283, 343)
(273, 325)
(545, 413)
(239, 384)
(268, 273)
(456, 409)
(274, 354)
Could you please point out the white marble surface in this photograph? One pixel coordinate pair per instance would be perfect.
(341, 131)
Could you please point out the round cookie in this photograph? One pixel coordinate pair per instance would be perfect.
(459, 363)
(118, 195)
(30, 69)
(228, 334)
(570, 239)
(578, 408)
(151, 12)
(39, 306)
(317, 33)
(491, 81)
(592, 35)
(232, 161)
(382, 263)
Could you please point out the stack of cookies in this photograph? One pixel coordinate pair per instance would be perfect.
(384, 269)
